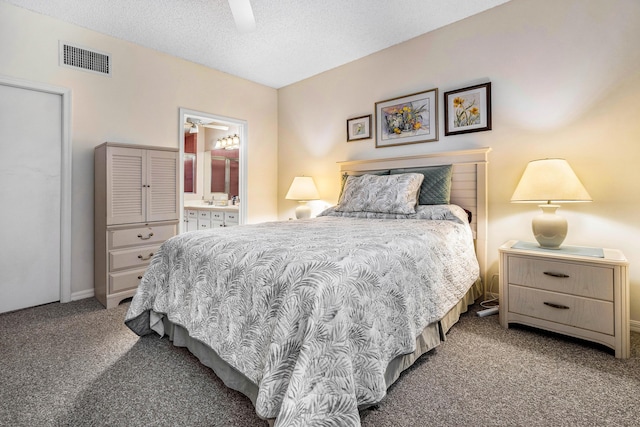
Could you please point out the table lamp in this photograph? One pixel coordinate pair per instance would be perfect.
(303, 189)
(549, 181)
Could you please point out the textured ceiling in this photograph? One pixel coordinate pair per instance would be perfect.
(293, 40)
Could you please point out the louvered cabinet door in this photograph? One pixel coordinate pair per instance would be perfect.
(126, 191)
(162, 185)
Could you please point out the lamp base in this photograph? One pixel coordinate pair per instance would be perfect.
(303, 211)
(549, 228)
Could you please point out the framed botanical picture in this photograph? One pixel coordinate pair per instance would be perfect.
(467, 110)
(359, 128)
(409, 119)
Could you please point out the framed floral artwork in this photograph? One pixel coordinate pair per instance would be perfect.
(359, 128)
(467, 110)
(409, 119)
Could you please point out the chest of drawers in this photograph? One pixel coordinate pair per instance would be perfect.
(582, 296)
(128, 249)
(136, 208)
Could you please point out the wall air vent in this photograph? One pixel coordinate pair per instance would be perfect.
(84, 59)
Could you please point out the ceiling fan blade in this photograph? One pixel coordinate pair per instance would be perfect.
(243, 15)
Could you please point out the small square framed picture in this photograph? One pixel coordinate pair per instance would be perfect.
(359, 128)
(467, 110)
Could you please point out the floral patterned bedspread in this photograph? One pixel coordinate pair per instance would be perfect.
(311, 311)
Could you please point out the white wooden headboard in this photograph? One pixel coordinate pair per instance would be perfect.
(468, 185)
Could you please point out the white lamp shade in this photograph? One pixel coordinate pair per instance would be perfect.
(302, 188)
(549, 180)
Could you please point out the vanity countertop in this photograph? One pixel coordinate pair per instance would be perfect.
(204, 206)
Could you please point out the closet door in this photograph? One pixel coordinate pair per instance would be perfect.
(30, 191)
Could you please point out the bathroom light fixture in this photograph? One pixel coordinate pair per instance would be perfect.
(228, 143)
(302, 189)
(546, 181)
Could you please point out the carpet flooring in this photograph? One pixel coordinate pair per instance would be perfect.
(77, 364)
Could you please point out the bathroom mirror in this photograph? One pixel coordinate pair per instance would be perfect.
(190, 163)
(224, 172)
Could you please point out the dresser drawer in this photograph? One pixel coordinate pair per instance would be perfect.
(576, 279)
(140, 235)
(217, 216)
(193, 214)
(131, 258)
(125, 280)
(565, 309)
(231, 218)
(204, 224)
(204, 215)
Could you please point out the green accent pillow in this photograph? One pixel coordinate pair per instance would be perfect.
(436, 186)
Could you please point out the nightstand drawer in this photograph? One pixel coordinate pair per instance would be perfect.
(577, 279)
(569, 310)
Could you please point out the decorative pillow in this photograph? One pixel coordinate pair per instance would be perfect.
(423, 212)
(343, 178)
(386, 194)
(436, 186)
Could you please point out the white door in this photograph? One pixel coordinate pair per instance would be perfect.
(30, 197)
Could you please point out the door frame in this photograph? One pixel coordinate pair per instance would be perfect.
(243, 161)
(65, 174)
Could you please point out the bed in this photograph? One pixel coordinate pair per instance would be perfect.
(314, 319)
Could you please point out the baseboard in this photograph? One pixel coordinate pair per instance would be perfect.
(88, 293)
(635, 325)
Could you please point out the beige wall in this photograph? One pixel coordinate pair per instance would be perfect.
(138, 104)
(564, 78)
(565, 84)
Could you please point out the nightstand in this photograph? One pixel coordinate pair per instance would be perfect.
(576, 291)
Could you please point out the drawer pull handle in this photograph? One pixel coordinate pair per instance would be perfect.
(560, 306)
(143, 258)
(150, 235)
(139, 277)
(552, 274)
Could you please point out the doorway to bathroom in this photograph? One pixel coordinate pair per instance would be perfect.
(214, 161)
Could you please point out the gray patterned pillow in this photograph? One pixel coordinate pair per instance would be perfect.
(343, 178)
(386, 194)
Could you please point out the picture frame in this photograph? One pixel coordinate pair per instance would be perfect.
(467, 110)
(359, 128)
(408, 119)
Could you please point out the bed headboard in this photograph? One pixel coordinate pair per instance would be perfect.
(468, 185)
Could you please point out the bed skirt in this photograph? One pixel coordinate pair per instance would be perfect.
(431, 337)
